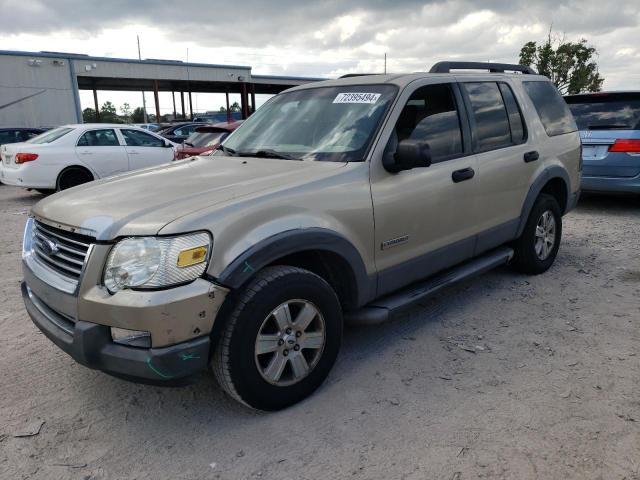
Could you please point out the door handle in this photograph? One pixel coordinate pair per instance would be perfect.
(133, 152)
(86, 153)
(462, 175)
(531, 156)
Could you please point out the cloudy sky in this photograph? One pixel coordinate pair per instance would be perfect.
(325, 38)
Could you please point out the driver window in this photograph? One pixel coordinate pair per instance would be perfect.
(430, 115)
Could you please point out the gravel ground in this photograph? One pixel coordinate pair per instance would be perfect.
(503, 376)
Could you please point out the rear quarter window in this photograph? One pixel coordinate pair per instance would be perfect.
(553, 111)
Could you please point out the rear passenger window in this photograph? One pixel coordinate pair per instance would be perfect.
(516, 122)
(490, 115)
(136, 138)
(430, 115)
(553, 111)
(99, 138)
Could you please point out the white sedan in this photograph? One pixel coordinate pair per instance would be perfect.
(73, 154)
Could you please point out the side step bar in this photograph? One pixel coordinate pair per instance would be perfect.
(386, 308)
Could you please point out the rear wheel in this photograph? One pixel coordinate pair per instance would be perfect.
(537, 247)
(281, 339)
(72, 177)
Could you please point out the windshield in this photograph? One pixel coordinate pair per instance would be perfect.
(328, 124)
(50, 136)
(206, 139)
(605, 111)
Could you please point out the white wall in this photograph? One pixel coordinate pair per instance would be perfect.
(53, 103)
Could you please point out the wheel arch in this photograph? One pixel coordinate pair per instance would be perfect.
(321, 251)
(554, 181)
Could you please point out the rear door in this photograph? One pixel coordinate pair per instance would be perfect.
(499, 139)
(101, 151)
(145, 150)
(609, 126)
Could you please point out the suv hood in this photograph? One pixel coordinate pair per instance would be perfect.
(143, 202)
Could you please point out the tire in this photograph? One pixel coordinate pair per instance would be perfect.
(537, 247)
(251, 377)
(45, 191)
(72, 177)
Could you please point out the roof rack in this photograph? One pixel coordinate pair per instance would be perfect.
(446, 67)
(350, 75)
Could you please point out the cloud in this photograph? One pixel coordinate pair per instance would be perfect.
(324, 38)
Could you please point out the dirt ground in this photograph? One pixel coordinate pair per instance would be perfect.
(503, 376)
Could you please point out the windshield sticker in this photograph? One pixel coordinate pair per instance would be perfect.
(357, 98)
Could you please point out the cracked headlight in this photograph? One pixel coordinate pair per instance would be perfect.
(157, 262)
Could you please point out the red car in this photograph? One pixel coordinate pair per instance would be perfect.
(206, 139)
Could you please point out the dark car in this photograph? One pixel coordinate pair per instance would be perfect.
(205, 139)
(178, 132)
(609, 126)
(18, 134)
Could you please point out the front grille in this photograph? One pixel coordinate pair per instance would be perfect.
(62, 251)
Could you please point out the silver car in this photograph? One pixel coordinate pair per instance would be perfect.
(345, 200)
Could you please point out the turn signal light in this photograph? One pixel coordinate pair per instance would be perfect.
(193, 256)
(625, 145)
(25, 157)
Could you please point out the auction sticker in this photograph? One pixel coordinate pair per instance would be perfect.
(356, 98)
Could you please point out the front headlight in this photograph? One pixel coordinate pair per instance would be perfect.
(27, 239)
(157, 262)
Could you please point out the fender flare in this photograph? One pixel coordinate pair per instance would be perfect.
(289, 242)
(539, 183)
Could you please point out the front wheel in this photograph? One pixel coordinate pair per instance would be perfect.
(537, 247)
(281, 339)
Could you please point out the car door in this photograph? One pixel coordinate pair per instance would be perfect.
(424, 217)
(101, 151)
(506, 159)
(145, 150)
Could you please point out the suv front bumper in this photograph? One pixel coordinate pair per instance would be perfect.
(90, 344)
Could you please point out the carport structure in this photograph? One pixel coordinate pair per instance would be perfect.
(33, 82)
(179, 78)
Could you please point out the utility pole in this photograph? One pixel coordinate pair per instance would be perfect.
(144, 103)
(385, 63)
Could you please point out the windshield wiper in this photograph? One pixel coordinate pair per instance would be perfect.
(609, 126)
(228, 151)
(268, 153)
(188, 144)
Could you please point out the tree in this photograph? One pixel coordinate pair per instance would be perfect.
(138, 115)
(88, 115)
(570, 65)
(125, 110)
(235, 107)
(108, 113)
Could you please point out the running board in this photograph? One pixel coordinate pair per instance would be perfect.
(386, 308)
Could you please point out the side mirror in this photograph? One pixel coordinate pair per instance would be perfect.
(409, 154)
(167, 145)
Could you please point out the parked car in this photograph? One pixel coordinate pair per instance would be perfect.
(179, 132)
(18, 134)
(74, 154)
(347, 199)
(217, 117)
(148, 126)
(609, 124)
(205, 139)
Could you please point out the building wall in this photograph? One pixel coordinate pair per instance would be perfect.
(36, 92)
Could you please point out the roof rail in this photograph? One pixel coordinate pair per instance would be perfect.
(446, 67)
(350, 75)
